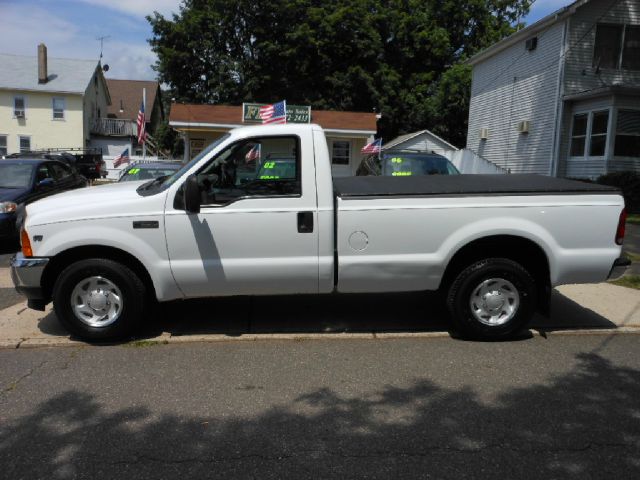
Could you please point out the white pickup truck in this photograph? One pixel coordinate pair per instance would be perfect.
(258, 213)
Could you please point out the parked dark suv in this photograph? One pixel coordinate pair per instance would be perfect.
(25, 180)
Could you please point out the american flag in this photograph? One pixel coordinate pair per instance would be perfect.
(142, 125)
(274, 113)
(373, 147)
(122, 158)
(253, 154)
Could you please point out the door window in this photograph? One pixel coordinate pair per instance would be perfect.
(43, 173)
(60, 172)
(266, 166)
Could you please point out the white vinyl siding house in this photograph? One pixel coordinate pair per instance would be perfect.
(571, 89)
(517, 85)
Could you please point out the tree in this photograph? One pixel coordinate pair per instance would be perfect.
(360, 55)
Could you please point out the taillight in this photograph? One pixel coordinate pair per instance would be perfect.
(25, 243)
(621, 227)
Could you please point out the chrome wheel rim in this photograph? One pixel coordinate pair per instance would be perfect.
(494, 302)
(96, 301)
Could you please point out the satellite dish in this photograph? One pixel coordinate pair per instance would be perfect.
(105, 68)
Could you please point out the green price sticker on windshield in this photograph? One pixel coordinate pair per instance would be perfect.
(133, 171)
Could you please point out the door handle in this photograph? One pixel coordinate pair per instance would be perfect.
(305, 222)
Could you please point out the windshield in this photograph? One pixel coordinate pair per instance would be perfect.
(15, 175)
(162, 183)
(400, 165)
(135, 174)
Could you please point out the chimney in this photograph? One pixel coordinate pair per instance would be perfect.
(42, 63)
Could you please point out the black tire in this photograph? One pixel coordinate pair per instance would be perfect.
(132, 291)
(467, 284)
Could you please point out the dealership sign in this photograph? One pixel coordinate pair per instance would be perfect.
(295, 113)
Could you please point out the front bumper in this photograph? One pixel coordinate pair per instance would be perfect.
(619, 267)
(26, 274)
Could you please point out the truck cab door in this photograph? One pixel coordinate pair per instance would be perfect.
(256, 233)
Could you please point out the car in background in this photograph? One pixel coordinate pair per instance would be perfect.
(88, 163)
(25, 180)
(405, 164)
(148, 171)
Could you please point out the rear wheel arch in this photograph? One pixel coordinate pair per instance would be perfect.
(530, 255)
(65, 258)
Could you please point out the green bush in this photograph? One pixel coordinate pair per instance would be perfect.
(629, 183)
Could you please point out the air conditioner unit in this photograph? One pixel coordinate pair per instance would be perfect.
(19, 113)
(523, 126)
(484, 133)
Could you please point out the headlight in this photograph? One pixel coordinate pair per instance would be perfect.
(8, 207)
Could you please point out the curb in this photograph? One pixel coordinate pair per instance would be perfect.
(167, 339)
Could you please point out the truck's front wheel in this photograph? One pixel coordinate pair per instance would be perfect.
(492, 299)
(99, 299)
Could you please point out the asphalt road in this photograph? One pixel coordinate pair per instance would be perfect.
(562, 407)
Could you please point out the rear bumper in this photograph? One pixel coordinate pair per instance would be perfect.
(619, 267)
(26, 274)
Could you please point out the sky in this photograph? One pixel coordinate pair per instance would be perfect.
(70, 29)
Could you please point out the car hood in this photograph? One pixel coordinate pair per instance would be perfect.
(12, 194)
(104, 201)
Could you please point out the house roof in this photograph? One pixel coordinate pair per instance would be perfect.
(527, 32)
(128, 94)
(230, 116)
(66, 75)
(404, 138)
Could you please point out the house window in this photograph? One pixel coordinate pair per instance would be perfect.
(25, 143)
(631, 51)
(606, 53)
(19, 107)
(3, 145)
(341, 152)
(579, 134)
(58, 108)
(598, 138)
(617, 46)
(628, 134)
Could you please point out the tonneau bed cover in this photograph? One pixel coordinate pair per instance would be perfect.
(454, 185)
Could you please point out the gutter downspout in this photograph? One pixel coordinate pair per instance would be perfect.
(554, 164)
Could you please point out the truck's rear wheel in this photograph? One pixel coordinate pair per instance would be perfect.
(99, 299)
(492, 299)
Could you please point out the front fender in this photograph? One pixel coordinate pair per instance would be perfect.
(147, 245)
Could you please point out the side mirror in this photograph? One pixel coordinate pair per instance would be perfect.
(47, 182)
(192, 195)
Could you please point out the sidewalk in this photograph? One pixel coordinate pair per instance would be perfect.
(575, 308)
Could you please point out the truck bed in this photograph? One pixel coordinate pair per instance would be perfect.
(463, 185)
